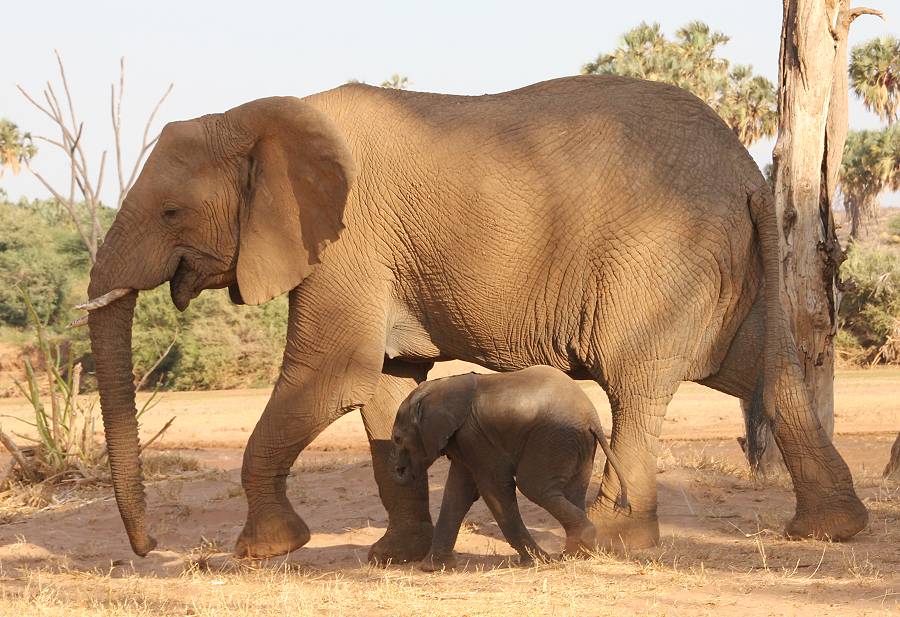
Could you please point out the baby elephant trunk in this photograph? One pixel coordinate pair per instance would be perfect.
(622, 501)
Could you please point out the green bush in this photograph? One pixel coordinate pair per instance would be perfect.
(894, 225)
(39, 257)
(217, 344)
(870, 307)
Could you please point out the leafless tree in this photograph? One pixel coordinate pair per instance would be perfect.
(84, 187)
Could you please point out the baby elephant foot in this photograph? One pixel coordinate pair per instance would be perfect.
(436, 563)
(581, 542)
(271, 533)
(402, 544)
(528, 559)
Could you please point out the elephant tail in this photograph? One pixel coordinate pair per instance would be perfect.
(763, 215)
(622, 501)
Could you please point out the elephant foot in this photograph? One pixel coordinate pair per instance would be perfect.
(402, 544)
(437, 563)
(271, 534)
(617, 531)
(829, 522)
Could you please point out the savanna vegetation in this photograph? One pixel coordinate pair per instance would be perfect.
(214, 344)
(47, 246)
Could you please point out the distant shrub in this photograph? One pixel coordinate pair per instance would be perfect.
(870, 308)
(37, 257)
(217, 345)
(894, 228)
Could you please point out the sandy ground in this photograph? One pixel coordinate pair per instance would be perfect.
(721, 551)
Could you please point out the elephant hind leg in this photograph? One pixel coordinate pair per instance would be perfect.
(638, 408)
(827, 504)
(575, 489)
(409, 533)
(580, 532)
(499, 495)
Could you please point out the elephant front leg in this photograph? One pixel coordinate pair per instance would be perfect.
(273, 527)
(409, 530)
(460, 493)
(637, 423)
(295, 415)
(310, 394)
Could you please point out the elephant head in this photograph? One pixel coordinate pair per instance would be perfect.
(246, 199)
(426, 421)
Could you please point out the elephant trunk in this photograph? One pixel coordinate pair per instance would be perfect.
(111, 344)
(110, 325)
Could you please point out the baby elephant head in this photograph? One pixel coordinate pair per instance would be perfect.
(426, 421)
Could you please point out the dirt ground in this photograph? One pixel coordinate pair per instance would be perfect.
(721, 550)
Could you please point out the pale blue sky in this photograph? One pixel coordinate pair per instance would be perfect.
(220, 54)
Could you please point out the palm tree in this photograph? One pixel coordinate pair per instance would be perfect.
(746, 102)
(699, 70)
(643, 54)
(871, 164)
(875, 76)
(396, 82)
(748, 105)
(15, 147)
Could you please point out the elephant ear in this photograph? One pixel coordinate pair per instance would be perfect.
(295, 179)
(441, 411)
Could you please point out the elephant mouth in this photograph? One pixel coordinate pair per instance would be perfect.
(402, 474)
(187, 283)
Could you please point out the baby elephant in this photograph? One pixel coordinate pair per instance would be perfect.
(534, 428)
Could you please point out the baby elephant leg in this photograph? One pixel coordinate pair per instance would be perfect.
(459, 495)
(566, 504)
(500, 497)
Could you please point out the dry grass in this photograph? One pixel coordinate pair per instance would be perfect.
(20, 500)
(722, 552)
(659, 584)
(743, 571)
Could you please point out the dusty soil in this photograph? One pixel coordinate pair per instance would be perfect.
(721, 551)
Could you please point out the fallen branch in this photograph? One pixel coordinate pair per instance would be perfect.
(17, 455)
(10, 465)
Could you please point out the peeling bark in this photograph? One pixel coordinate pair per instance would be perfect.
(812, 110)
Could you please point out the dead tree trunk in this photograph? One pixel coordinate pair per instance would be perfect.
(892, 469)
(812, 111)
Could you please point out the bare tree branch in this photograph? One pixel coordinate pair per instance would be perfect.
(143, 380)
(145, 145)
(158, 434)
(84, 187)
(69, 205)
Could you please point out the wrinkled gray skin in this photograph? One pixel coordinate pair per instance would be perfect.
(534, 429)
(615, 229)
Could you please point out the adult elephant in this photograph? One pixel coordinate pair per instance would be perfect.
(613, 228)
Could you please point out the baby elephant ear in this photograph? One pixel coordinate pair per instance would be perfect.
(442, 410)
(295, 179)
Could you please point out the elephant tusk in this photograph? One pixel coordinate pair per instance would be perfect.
(105, 299)
(81, 321)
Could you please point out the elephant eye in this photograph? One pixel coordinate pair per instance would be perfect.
(170, 213)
